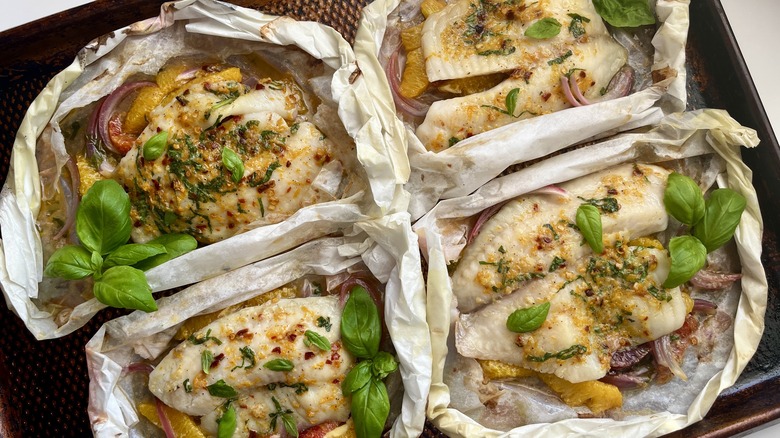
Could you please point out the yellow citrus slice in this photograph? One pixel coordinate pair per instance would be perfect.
(182, 424)
(414, 80)
(471, 85)
(428, 7)
(411, 37)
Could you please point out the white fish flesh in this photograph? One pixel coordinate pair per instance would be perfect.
(190, 188)
(472, 38)
(240, 345)
(524, 238)
(531, 253)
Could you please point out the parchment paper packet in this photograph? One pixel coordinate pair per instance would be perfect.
(469, 163)
(189, 28)
(386, 246)
(704, 144)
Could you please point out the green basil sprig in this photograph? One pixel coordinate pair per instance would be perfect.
(287, 419)
(589, 222)
(316, 339)
(233, 163)
(722, 213)
(683, 199)
(547, 27)
(511, 105)
(155, 146)
(528, 319)
(226, 424)
(688, 256)
(103, 227)
(221, 389)
(625, 13)
(712, 221)
(361, 328)
(361, 332)
(279, 365)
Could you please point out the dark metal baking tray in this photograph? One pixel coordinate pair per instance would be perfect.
(43, 385)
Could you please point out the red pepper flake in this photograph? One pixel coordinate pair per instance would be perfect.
(288, 189)
(308, 355)
(217, 360)
(335, 356)
(336, 381)
(252, 433)
(259, 87)
(291, 337)
(546, 96)
(328, 362)
(137, 224)
(612, 191)
(242, 332)
(276, 350)
(231, 225)
(201, 227)
(229, 213)
(288, 163)
(241, 201)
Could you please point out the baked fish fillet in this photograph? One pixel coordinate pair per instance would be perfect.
(240, 345)
(599, 305)
(189, 188)
(472, 38)
(535, 235)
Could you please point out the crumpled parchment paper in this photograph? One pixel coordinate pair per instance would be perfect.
(470, 163)
(386, 246)
(219, 29)
(679, 139)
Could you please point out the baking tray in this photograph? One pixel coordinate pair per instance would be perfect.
(43, 384)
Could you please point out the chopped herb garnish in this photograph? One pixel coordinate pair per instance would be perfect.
(550, 227)
(575, 27)
(221, 389)
(187, 386)
(557, 263)
(206, 358)
(503, 51)
(316, 339)
(324, 322)
(606, 205)
(247, 357)
(659, 294)
(568, 353)
(202, 340)
(560, 59)
(279, 365)
(254, 179)
(452, 141)
(286, 416)
(299, 387)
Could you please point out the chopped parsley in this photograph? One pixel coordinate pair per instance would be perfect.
(202, 340)
(247, 357)
(568, 353)
(324, 322)
(560, 59)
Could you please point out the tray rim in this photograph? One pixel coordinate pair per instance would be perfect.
(765, 407)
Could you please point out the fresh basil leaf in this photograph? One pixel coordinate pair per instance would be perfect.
(221, 389)
(625, 13)
(722, 213)
(683, 199)
(96, 261)
(132, 253)
(69, 262)
(233, 163)
(361, 328)
(370, 407)
(279, 365)
(317, 339)
(528, 319)
(124, 287)
(357, 377)
(511, 101)
(206, 359)
(155, 146)
(103, 219)
(589, 222)
(226, 424)
(688, 256)
(383, 364)
(174, 244)
(289, 425)
(547, 27)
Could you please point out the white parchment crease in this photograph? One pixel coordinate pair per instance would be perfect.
(464, 167)
(677, 136)
(386, 246)
(144, 47)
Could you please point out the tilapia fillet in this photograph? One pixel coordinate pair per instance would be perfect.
(240, 345)
(530, 253)
(472, 38)
(190, 188)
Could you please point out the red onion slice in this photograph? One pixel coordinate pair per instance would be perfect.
(625, 381)
(627, 358)
(620, 85)
(164, 421)
(664, 355)
(575, 89)
(71, 195)
(483, 217)
(567, 92)
(411, 107)
(712, 280)
(138, 367)
(704, 306)
(550, 190)
(108, 107)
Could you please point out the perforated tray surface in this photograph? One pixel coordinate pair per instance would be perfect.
(43, 385)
